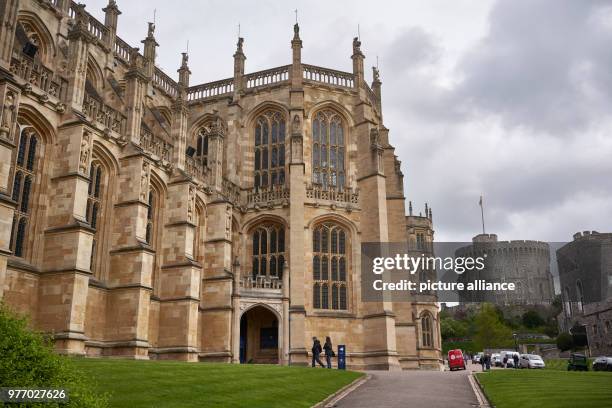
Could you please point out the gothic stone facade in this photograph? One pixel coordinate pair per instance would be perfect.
(143, 217)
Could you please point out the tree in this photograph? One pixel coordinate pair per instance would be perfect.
(451, 328)
(565, 342)
(27, 360)
(532, 319)
(490, 330)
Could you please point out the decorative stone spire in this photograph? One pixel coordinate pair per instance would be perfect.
(296, 64)
(376, 88)
(111, 15)
(239, 59)
(410, 208)
(149, 50)
(357, 58)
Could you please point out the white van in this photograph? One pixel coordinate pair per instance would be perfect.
(510, 356)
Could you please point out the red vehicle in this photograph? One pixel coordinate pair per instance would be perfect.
(456, 360)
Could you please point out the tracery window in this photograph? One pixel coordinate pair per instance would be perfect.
(23, 183)
(328, 151)
(94, 206)
(202, 147)
(269, 150)
(329, 267)
(151, 214)
(268, 255)
(426, 330)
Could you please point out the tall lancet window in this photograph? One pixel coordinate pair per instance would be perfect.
(202, 148)
(268, 254)
(329, 267)
(23, 184)
(328, 151)
(269, 150)
(94, 207)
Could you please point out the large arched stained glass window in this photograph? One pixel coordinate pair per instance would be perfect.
(329, 267)
(268, 251)
(328, 151)
(269, 166)
(23, 183)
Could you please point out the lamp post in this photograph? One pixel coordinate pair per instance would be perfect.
(515, 341)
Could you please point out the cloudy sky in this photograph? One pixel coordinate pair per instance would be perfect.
(508, 98)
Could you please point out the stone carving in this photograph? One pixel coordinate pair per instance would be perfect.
(228, 222)
(144, 181)
(374, 138)
(85, 153)
(376, 74)
(296, 124)
(356, 46)
(8, 113)
(190, 204)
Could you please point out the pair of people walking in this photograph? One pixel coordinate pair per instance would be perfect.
(317, 350)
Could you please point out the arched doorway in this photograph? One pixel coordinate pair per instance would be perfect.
(259, 336)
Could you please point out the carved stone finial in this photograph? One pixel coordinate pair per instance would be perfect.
(151, 30)
(239, 44)
(376, 74)
(356, 46)
(184, 60)
(296, 31)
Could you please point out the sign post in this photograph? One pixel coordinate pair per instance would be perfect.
(341, 357)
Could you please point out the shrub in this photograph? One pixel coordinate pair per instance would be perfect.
(531, 319)
(27, 360)
(565, 341)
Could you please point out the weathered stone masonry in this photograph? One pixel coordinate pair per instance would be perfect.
(149, 218)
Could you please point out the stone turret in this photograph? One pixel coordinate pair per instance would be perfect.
(239, 59)
(111, 15)
(357, 58)
(296, 63)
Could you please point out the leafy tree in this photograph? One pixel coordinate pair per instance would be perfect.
(532, 319)
(451, 328)
(27, 360)
(565, 342)
(490, 328)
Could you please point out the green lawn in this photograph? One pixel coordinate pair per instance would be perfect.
(547, 388)
(168, 384)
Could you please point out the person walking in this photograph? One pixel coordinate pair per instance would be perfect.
(316, 352)
(515, 358)
(505, 361)
(482, 361)
(488, 362)
(329, 351)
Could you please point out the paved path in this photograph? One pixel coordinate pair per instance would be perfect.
(413, 389)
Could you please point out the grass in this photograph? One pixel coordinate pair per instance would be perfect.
(169, 384)
(547, 388)
(561, 363)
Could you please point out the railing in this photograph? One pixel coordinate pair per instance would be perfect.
(328, 76)
(267, 77)
(230, 191)
(196, 169)
(267, 195)
(346, 195)
(38, 75)
(123, 50)
(103, 114)
(154, 145)
(261, 282)
(210, 90)
(371, 95)
(99, 30)
(165, 83)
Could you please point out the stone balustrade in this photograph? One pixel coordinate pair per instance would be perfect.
(267, 196)
(210, 90)
(103, 114)
(155, 146)
(346, 195)
(328, 76)
(230, 191)
(165, 83)
(261, 282)
(98, 30)
(123, 51)
(267, 77)
(38, 75)
(196, 169)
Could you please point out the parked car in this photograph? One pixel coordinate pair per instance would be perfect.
(602, 364)
(496, 360)
(456, 360)
(577, 362)
(510, 358)
(477, 357)
(531, 361)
